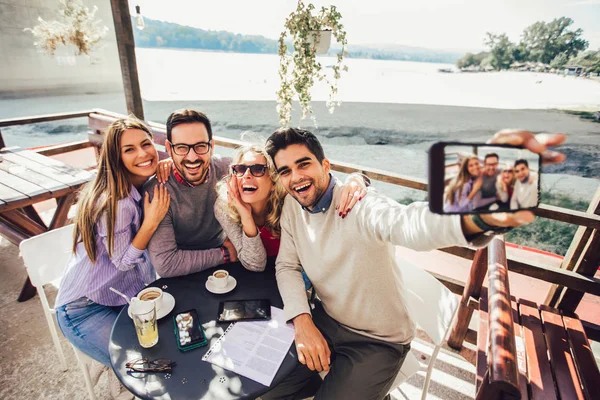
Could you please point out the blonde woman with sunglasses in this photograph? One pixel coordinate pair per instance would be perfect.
(250, 201)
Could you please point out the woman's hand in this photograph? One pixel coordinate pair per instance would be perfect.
(352, 192)
(234, 198)
(163, 170)
(155, 211)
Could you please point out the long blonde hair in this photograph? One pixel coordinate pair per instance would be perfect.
(275, 201)
(104, 192)
(457, 184)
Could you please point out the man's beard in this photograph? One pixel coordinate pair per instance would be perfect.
(194, 179)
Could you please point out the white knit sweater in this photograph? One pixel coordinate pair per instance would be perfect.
(351, 261)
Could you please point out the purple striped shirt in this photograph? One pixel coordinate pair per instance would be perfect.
(128, 270)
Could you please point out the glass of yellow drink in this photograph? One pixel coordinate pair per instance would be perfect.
(144, 318)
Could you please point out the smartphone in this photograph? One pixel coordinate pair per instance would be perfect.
(244, 310)
(188, 331)
(478, 178)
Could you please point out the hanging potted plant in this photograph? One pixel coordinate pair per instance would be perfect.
(78, 31)
(310, 34)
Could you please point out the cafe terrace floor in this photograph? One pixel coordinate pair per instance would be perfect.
(29, 368)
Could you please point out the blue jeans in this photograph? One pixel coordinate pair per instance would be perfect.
(87, 325)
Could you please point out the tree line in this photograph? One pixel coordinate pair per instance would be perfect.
(553, 43)
(160, 34)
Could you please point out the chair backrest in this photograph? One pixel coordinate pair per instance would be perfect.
(429, 302)
(47, 255)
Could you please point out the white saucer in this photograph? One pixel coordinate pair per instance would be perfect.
(168, 304)
(230, 286)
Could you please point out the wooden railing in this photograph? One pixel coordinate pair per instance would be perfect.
(585, 245)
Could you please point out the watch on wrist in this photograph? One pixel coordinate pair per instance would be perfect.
(489, 229)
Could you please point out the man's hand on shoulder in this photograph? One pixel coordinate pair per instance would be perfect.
(536, 143)
(313, 350)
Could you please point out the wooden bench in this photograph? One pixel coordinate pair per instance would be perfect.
(529, 351)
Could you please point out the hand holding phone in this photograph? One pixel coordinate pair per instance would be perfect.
(188, 331)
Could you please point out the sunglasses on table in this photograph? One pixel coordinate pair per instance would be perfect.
(145, 365)
(256, 170)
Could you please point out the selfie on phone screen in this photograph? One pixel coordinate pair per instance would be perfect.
(484, 178)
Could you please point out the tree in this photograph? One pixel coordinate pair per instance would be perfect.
(471, 59)
(559, 61)
(545, 41)
(590, 60)
(501, 50)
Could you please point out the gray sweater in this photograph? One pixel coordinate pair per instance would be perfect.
(352, 263)
(250, 250)
(189, 238)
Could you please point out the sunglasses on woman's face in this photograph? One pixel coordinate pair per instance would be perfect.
(257, 170)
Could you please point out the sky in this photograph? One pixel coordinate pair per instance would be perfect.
(436, 24)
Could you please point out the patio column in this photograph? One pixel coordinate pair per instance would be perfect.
(126, 46)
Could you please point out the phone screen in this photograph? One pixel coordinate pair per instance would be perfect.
(470, 178)
(188, 329)
(236, 310)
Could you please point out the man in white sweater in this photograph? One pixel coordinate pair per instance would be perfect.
(525, 194)
(360, 330)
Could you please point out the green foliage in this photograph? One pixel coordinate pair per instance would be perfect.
(471, 59)
(159, 34)
(589, 60)
(299, 70)
(559, 61)
(501, 50)
(169, 35)
(546, 40)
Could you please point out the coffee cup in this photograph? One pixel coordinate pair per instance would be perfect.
(219, 278)
(151, 294)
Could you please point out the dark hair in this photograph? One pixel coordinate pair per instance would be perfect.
(521, 161)
(488, 155)
(284, 137)
(186, 116)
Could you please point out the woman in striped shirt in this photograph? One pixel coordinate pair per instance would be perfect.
(112, 229)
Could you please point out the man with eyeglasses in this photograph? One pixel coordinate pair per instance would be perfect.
(487, 182)
(190, 239)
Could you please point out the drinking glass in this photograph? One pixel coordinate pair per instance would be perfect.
(144, 318)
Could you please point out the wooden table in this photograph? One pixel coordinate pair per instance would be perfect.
(27, 178)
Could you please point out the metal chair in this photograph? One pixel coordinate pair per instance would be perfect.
(45, 257)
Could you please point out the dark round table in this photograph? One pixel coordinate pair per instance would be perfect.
(193, 378)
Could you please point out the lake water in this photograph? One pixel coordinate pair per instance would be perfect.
(392, 111)
(199, 75)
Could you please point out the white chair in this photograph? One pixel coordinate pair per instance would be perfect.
(45, 258)
(432, 306)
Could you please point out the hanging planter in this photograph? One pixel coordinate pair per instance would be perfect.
(310, 33)
(320, 40)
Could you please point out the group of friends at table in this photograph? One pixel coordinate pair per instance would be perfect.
(196, 210)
